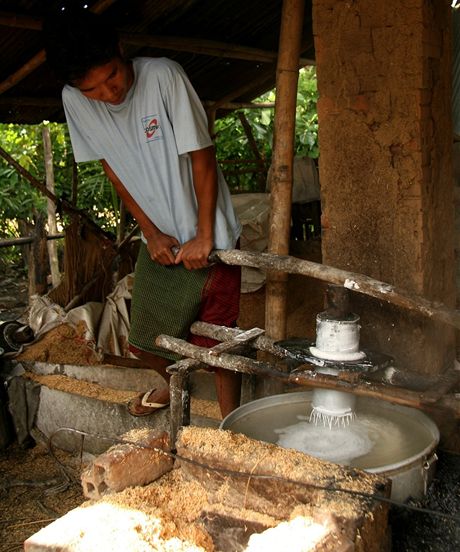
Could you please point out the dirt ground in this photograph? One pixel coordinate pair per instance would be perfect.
(35, 488)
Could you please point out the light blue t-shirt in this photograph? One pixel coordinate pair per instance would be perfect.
(146, 140)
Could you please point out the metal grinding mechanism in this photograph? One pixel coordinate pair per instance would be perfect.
(336, 341)
(335, 351)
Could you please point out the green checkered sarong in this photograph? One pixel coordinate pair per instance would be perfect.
(165, 300)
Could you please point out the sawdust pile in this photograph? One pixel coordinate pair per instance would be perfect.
(83, 388)
(64, 344)
(235, 451)
(208, 409)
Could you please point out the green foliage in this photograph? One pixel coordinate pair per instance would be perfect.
(16, 199)
(20, 201)
(232, 142)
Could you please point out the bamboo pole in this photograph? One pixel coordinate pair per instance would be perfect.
(51, 206)
(282, 163)
(287, 74)
(27, 240)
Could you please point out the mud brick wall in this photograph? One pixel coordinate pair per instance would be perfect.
(385, 132)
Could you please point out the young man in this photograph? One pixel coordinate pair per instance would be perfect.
(143, 120)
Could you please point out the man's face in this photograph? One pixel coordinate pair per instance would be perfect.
(107, 83)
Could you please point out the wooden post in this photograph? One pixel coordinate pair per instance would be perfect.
(74, 197)
(52, 226)
(282, 166)
(38, 259)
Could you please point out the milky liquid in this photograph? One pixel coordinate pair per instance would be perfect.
(382, 434)
(337, 444)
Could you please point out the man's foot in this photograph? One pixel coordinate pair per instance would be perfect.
(149, 402)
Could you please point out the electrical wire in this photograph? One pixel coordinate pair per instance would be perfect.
(248, 475)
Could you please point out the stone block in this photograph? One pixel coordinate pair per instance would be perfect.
(141, 459)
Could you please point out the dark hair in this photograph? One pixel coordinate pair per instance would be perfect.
(76, 41)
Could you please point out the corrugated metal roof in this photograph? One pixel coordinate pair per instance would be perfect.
(247, 23)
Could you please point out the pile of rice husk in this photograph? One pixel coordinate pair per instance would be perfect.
(64, 344)
(82, 387)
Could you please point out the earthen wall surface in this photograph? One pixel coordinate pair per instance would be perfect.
(384, 80)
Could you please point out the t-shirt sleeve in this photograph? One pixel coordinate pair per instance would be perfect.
(80, 132)
(187, 115)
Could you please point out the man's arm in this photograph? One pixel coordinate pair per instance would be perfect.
(194, 254)
(158, 244)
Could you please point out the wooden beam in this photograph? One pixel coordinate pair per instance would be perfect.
(204, 47)
(30, 101)
(56, 102)
(178, 44)
(360, 283)
(16, 21)
(51, 206)
(25, 240)
(175, 43)
(199, 46)
(305, 376)
(242, 162)
(23, 72)
(263, 80)
(39, 58)
(241, 105)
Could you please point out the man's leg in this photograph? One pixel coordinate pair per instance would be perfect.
(220, 305)
(228, 388)
(159, 395)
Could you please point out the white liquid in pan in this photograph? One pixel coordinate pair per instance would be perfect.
(343, 445)
(381, 435)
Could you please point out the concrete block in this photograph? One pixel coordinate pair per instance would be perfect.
(128, 464)
(104, 422)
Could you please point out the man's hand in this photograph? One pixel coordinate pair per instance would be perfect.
(160, 247)
(194, 253)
